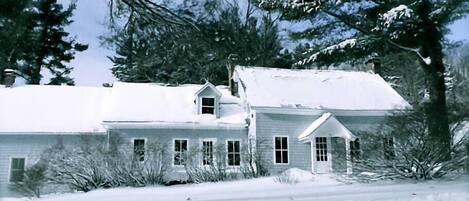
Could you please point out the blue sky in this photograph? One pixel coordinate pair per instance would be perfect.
(91, 68)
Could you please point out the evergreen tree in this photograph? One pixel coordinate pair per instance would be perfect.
(40, 41)
(146, 53)
(358, 29)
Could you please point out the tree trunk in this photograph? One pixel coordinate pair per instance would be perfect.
(435, 107)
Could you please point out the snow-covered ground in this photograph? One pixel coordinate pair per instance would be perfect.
(317, 187)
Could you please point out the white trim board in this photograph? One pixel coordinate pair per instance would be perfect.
(192, 126)
(336, 112)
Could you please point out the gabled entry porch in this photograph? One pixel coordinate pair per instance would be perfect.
(319, 134)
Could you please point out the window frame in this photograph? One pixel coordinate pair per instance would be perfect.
(10, 163)
(174, 151)
(202, 141)
(275, 150)
(214, 107)
(144, 147)
(228, 153)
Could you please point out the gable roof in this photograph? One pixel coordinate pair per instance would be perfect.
(317, 89)
(325, 126)
(210, 86)
(51, 109)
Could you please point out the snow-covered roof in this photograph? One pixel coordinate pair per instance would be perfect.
(326, 126)
(74, 109)
(51, 109)
(317, 89)
(131, 102)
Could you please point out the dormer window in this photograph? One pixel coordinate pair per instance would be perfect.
(208, 105)
(207, 100)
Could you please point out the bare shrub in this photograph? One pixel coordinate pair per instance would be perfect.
(405, 149)
(93, 165)
(214, 171)
(254, 162)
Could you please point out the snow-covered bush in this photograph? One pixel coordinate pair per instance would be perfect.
(33, 181)
(405, 149)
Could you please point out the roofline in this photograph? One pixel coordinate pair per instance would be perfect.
(336, 112)
(52, 133)
(176, 125)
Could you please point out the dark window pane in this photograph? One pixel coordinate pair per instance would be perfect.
(284, 156)
(236, 148)
(208, 110)
(230, 146)
(277, 143)
(208, 102)
(237, 159)
(278, 158)
(177, 146)
(184, 145)
(284, 143)
(230, 159)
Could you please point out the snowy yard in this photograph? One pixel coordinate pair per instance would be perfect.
(318, 187)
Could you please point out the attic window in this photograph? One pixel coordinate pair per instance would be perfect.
(208, 106)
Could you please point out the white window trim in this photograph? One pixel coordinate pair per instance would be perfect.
(240, 155)
(288, 149)
(9, 165)
(145, 143)
(214, 145)
(215, 104)
(174, 153)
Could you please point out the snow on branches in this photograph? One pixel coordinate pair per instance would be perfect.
(349, 43)
(397, 13)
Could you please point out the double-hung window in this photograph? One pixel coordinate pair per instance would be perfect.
(281, 150)
(180, 149)
(17, 168)
(207, 152)
(234, 152)
(139, 149)
(208, 105)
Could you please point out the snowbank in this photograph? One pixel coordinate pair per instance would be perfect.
(321, 188)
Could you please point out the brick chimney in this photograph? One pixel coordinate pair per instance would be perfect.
(374, 65)
(9, 76)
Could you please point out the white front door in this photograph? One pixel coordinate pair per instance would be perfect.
(322, 156)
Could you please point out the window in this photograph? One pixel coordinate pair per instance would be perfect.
(388, 144)
(139, 149)
(180, 149)
(208, 105)
(234, 154)
(281, 150)
(321, 149)
(17, 169)
(207, 151)
(355, 151)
